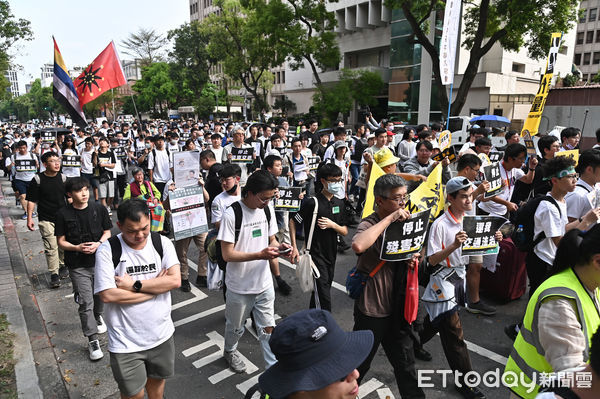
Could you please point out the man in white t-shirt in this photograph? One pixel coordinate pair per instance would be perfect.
(238, 142)
(159, 164)
(229, 177)
(585, 196)
(551, 219)
(26, 165)
(510, 170)
(137, 298)
(248, 278)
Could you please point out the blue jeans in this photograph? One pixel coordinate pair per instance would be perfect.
(354, 172)
(237, 310)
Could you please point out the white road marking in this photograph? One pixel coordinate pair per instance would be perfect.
(470, 345)
(368, 387)
(385, 393)
(198, 316)
(249, 383)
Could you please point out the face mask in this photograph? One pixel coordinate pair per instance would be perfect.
(148, 146)
(569, 146)
(334, 187)
(233, 189)
(173, 142)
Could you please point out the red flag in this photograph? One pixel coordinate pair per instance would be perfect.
(104, 73)
(411, 302)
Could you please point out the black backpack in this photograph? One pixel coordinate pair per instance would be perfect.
(211, 239)
(117, 249)
(524, 239)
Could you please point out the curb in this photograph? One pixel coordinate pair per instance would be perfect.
(25, 370)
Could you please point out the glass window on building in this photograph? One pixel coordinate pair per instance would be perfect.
(582, 15)
(580, 37)
(593, 14)
(596, 58)
(577, 59)
(587, 58)
(589, 37)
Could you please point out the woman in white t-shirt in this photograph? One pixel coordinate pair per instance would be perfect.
(69, 149)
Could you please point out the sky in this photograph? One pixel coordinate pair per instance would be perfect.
(83, 28)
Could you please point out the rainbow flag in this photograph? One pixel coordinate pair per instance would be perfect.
(64, 91)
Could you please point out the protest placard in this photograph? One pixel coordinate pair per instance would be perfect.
(495, 156)
(573, 154)
(402, 239)
(242, 155)
(71, 161)
(47, 136)
(25, 165)
(529, 143)
(445, 139)
(289, 199)
(493, 176)
(186, 168)
(449, 152)
(188, 212)
(313, 162)
(481, 231)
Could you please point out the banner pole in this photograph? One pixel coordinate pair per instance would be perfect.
(449, 106)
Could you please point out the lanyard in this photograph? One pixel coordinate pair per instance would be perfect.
(508, 179)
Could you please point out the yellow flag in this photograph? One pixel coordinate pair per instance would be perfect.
(569, 154)
(537, 107)
(376, 173)
(429, 194)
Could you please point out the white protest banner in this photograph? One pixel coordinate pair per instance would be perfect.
(449, 39)
(188, 212)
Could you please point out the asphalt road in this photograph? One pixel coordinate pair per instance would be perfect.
(201, 372)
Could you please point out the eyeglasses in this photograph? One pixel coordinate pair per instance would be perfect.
(264, 201)
(400, 199)
(573, 176)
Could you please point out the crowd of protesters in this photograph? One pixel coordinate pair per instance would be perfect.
(72, 179)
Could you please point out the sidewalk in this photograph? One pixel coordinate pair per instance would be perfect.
(52, 351)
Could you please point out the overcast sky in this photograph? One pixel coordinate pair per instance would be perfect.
(84, 28)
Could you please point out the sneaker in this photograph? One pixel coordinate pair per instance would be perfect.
(185, 285)
(283, 287)
(422, 354)
(63, 272)
(201, 281)
(24, 216)
(342, 245)
(95, 351)
(101, 325)
(481, 308)
(54, 281)
(34, 215)
(469, 392)
(109, 211)
(234, 361)
(511, 331)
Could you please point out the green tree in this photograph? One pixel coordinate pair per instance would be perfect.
(240, 44)
(11, 31)
(571, 80)
(511, 24)
(304, 31)
(145, 44)
(156, 88)
(190, 61)
(285, 105)
(353, 86)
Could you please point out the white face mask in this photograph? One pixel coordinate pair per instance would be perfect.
(173, 142)
(334, 187)
(148, 146)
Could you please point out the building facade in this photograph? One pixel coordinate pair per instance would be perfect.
(47, 73)
(13, 80)
(587, 41)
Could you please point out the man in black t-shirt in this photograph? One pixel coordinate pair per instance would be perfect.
(80, 229)
(331, 221)
(212, 184)
(48, 191)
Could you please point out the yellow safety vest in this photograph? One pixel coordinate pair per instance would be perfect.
(527, 357)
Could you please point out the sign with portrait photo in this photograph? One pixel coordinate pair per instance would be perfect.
(188, 212)
(186, 168)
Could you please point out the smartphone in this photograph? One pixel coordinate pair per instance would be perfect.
(284, 251)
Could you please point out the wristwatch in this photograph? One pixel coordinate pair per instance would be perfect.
(137, 286)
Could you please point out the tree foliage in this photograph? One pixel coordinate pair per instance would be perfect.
(240, 44)
(361, 86)
(156, 89)
(512, 24)
(11, 31)
(37, 104)
(303, 30)
(190, 61)
(145, 44)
